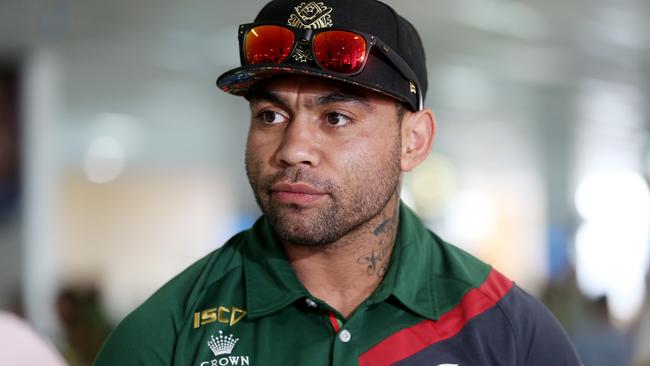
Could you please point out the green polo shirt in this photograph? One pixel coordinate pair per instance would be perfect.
(243, 305)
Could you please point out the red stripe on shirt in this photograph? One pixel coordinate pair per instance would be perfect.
(409, 341)
(335, 322)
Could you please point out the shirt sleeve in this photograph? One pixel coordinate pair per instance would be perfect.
(145, 337)
(540, 340)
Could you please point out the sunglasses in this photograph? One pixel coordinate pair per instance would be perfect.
(337, 50)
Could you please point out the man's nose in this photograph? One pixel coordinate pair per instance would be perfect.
(300, 144)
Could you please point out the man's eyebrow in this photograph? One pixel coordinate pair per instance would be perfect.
(342, 97)
(262, 94)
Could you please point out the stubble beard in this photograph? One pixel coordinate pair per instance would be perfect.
(364, 195)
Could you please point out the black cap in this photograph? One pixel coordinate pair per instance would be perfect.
(367, 16)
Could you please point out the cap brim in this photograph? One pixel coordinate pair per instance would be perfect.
(239, 81)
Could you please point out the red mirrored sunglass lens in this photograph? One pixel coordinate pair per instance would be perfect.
(340, 51)
(268, 44)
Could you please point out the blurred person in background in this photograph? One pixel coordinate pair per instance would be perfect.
(21, 346)
(84, 325)
(9, 149)
(338, 270)
(642, 338)
(599, 342)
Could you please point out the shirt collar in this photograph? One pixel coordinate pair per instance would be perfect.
(411, 275)
(271, 283)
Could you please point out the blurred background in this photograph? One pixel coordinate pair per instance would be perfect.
(121, 163)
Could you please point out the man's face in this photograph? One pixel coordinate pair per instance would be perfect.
(322, 157)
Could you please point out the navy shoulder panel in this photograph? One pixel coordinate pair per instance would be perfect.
(540, 338)
(518, 330)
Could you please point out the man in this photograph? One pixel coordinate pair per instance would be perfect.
(338, 271)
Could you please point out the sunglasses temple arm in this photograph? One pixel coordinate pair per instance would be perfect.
(406, 71)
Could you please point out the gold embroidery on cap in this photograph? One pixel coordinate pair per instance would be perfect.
(302, 54)
(412, 87)
(311, 15)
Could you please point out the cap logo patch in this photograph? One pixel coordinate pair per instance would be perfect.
(311, 15)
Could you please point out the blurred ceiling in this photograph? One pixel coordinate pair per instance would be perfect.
(543, 42)
(488, 60)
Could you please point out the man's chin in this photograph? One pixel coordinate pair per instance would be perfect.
(302, 236)
(296, 225)
(303, 240)
(298, 212)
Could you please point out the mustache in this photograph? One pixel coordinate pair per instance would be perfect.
(295, 174)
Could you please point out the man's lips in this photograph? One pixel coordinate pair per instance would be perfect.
(297, 193)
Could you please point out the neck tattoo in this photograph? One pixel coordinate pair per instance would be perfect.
(376, 261)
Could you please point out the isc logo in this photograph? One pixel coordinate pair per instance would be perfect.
(221, 314)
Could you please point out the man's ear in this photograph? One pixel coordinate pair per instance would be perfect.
(418, 133)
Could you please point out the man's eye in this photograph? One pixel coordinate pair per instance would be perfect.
(337, 120)
(271, 117)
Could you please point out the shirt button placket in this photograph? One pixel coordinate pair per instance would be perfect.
(344, 349)
(345, 336)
